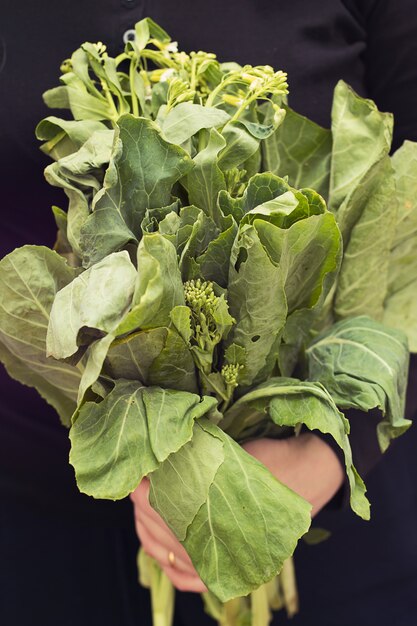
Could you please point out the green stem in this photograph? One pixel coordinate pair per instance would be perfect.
(289, 587)
(261, 615)
(219, 89)
(110, 101)
(161, 588)
(242, 107)
(132, 73)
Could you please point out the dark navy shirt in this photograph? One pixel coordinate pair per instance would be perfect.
(366, 573)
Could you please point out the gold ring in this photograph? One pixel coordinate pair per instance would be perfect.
(171, 558)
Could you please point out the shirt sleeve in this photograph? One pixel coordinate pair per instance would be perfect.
(390, 59)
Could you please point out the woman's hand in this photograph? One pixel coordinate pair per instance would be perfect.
(306, 464)
(159, 542)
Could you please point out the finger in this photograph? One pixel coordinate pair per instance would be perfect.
(140, 499)
(160, 551)
(154, 522)
(164, 535)
(184, 582)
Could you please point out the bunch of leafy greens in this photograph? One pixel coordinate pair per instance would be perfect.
(202, 293)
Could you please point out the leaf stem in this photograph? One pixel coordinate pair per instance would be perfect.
(132, 73)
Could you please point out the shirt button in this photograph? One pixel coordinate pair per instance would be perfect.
(129, 35)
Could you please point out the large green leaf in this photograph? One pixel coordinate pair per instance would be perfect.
(78, 206)
(201, 232)
(301, 150)
(131, 357)
(306, 252)
(363, 279)
(401, 303)
(174, 366)
(261, 188)
(364, 364)
(85, 105)
(290, 402)
(97, 299)
(213, 264)
(206, 179)
(93, 360)
(92, 155)
(256, 298)
(248, 526)
(118, 441)
(133, 183)
(158, 288)
(361, 137)
(30, 277)
(240, 146)
(196, 463)
(187, 118)
(63, 137)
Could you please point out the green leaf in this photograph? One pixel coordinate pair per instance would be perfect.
(240, 146)
(301, 150)
(134, 184)
(364, 364)
(63, 137)
(180, 486)
(400, 307)
(187, 118)
(56, 98)
(206, 179)
(214, 262)
(363, 279)
(202, 231)
(259, 306)
(78, 207)
(306, 252)
(30, 277)
(118, 441)
(291, 402)
(103, 232)
(174, 366)
(94, 360)
(248, 526)
(131, 357)
(97, 299)
(92, 155)
(261, 188)
(316, 536)
(85, 105)
(159, 285)
(361, 137)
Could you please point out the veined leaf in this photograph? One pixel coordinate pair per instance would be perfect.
(290, 402)
(301, 150)
(158, 288)
(133, 183)
(187, 118)
(131, 357)
(116, 442)
(361, 137)
(30, 277)
(400, 307)
(364, 365)
(180, 486)
(96, 300)
(248, 526)
(206, 179)
(363, 279)
(63, 137)
(258, 305)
